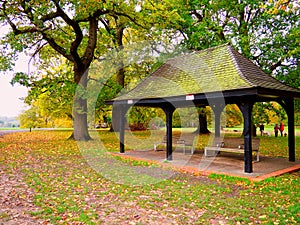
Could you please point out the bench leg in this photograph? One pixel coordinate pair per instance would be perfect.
(183, 147)
(206, 152)
(215, 152)
(192, 149)
(155, 144)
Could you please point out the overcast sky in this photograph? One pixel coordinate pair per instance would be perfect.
(10, 103)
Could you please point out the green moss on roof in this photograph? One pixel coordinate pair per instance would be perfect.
(212, 70)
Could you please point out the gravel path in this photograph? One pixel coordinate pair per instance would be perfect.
(3, 132)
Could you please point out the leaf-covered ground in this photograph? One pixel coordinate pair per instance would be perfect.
(47, 179)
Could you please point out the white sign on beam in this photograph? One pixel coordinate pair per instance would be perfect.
(189, 97)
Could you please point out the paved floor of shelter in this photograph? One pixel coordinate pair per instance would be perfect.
(224, 163)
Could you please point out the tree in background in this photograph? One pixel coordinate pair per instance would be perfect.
(267, 112)
(51, 91)
(80, 31)
(69, 28)
(266, 32)
(29, 119)
(234, 116)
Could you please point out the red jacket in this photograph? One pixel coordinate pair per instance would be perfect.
(281, 127)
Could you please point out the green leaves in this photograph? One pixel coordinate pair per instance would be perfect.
(267, 112)
(263, 32)
(51, 96)
(22, 79)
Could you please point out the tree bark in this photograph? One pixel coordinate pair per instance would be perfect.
(202, 128)
(80, 132)
(80, 123)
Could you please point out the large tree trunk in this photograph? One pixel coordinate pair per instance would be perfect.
(202, 128)
(80, 123)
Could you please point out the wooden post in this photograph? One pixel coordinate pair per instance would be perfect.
(217, 111)
(291, 131)
(122, 128)
(116, 112)
(288, 105)
(169, 109)
(246, 109)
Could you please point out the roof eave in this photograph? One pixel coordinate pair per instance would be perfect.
(273, 93)
(231, 96)
(189, 99)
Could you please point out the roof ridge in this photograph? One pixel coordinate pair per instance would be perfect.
(231, 49)
(224, 64)
(211, 48)
(236, 65)
(193, 52)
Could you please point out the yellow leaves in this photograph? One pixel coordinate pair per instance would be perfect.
(23, 196)
(281, 5)
(68, 191)
(293, 220)
(262, 217)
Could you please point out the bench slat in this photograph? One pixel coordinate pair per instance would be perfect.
(182, 140)
(234, 145)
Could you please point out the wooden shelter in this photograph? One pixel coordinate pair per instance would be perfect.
(215, 77)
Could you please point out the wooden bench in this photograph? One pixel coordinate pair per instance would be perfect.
(235, 145)
(178, 140)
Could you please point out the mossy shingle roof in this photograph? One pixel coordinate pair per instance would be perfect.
(216, 69)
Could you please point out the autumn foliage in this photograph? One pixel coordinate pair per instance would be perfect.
(45, 179)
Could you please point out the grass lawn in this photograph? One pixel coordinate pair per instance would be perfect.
(52, 179)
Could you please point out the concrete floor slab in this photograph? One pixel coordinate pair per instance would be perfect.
(231, 164)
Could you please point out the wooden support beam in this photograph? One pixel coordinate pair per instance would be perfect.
(218, 109)
(169, 110)
(123, 109)
(246, 108)
(288, 105)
